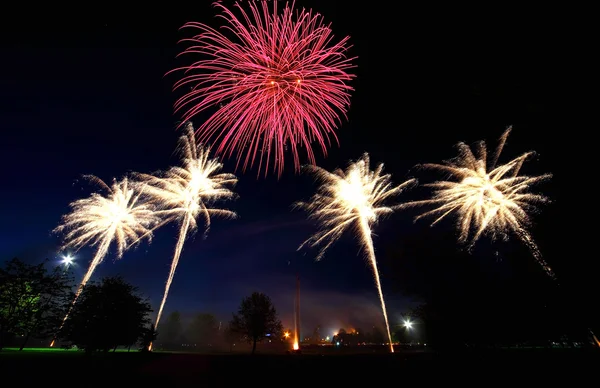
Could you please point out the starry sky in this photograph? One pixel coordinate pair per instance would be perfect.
(85, 92)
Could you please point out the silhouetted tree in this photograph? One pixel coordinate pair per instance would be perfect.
(33, 300)
(341, 337)
(107, 315)
(316, 335)
(256, 318)
(352, 338)
(203, 330)
(170, 332)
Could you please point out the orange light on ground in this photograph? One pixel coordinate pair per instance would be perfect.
(296, 347)
(52, 343)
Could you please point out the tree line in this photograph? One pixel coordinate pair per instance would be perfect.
(111, 313)
(256, 321)
(35, 299)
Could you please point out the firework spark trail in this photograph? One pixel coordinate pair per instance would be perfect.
(368, 241)
(178, 249)
(535, 251)
(99, 220)
(490, 199)
(98, 257)
(185, 193)
(353, 198)
(275, 79)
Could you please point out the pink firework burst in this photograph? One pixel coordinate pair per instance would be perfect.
(276, 80)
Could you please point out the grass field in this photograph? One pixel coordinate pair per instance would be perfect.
(484, 368)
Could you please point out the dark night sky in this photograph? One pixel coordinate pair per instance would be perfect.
(83, 93)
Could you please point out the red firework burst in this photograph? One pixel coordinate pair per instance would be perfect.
(276, 82)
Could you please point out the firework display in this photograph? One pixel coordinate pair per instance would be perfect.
(119, 216)
(275, 79)
(98, 221)
(487, 198)
(185, 194)
(354, 199)
(272, 85)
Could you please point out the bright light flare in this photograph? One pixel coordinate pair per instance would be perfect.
(275, 79)
(487, 199)
(353, 199)
(296, 346)
(408, 324)
(67, 260)
(184, 194)
(286, 334)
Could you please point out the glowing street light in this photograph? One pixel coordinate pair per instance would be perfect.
(67, 260)
(286, 334)
(408, 324)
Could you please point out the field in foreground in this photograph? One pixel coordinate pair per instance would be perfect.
(480, 368)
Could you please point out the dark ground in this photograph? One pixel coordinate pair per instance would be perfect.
(476, 368)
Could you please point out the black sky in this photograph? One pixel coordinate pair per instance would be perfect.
(84, 91)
